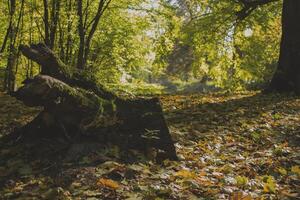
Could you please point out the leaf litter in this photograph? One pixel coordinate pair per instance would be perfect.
(231, 146)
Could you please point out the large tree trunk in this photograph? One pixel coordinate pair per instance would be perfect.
(287, 75)
(75, 105)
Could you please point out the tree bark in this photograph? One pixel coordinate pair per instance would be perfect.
(46, 23)
(86, 30)
(75, 104)
(50, 23)
(287, 75)
(10, 75)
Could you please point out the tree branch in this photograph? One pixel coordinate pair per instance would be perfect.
(249, 6)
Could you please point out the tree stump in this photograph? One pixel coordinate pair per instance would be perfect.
(76, 105)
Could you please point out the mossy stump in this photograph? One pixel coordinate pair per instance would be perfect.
(75, 106)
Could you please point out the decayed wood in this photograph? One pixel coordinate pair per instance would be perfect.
(76, 104)
(52, 66)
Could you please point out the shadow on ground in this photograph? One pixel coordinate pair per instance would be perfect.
(208, 129)
(210, 113)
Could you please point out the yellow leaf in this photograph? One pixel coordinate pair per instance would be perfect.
(108, 183)
(296, 170)
(226, 169)
(270, 185)
(185, 174)
(248, 197)
(282, 171)
(241, 180)
(239, 196)
(202, 173)
(204, 182)
(269, 188)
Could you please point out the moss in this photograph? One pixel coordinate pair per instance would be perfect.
(64, 69)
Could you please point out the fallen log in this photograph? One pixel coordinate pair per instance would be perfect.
(75, 105)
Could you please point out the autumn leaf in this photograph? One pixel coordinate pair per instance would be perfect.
(269, 185)
(108, 183)
(225, 160)
(296, 170)
(282, 171)
(202, 173)
(185, 174)
(241, 180)
(239, 196)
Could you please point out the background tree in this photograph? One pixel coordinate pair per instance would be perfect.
(87, 28)
(12, 35)
(229, 44)
(287, 75)
(51, 18)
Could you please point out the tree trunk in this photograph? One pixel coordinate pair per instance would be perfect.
(76, 105)
(46, 23)
(10, 76)
(51, 21)
(86, 30)
(287, 75)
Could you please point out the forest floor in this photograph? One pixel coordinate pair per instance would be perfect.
(231, 146)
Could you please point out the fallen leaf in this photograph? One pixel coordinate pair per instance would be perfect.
(239, 196)
(185, 174)
(241, 180)
(296, 170)
(269, 185)
(282, 171)
(288, 194)
(108, 183)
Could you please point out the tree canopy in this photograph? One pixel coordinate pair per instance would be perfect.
(228, 44)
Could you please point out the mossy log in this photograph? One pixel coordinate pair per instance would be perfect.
(76, 105)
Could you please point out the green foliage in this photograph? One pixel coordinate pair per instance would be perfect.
(146, 40)
(121, 47)
(136, 88)
(233, 53)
